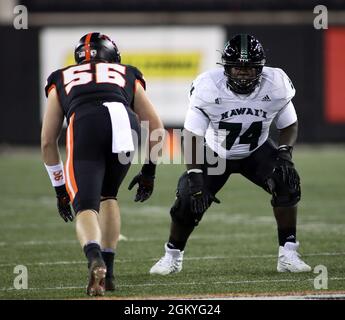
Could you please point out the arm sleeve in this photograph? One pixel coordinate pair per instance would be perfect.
(196, 121)
(286, 116)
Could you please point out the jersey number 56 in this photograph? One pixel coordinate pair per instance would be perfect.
(104, 73)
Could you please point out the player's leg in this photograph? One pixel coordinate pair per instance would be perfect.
(110, 224)
(256, 168)
(87, 227)
(89, 236)
(109, 217)
(288, 258)
(284, 201)
(85, 167)
(183, 222)
(181, 226)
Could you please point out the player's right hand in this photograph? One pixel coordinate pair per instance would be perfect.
(145, 186)
(64, 203)
(200, 197)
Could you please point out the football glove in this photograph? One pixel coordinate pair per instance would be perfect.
(145, 180)
(200, 197)
(63, 203)
(284, 170)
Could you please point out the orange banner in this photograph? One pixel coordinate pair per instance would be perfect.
(334, 65)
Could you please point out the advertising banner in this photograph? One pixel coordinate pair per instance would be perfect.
(169, 57)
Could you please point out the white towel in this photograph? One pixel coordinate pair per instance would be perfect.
(122, 134)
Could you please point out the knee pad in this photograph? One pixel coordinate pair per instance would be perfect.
(283, 193)
(180, 211)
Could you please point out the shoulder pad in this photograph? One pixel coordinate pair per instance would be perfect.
(137, 74)
(283, 87)
(51, 82)
(204, 89)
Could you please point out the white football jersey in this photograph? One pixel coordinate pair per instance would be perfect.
(235, 125)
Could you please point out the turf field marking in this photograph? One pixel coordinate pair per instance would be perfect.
(144, 239)
(225, 282)
(56, 263)
(238, 235)
(220, 217)
(43, 242)
(32, 226)
(267, 256)
(182, 284)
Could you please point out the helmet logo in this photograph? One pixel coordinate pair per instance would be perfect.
(93, 53)
(244, 48)
(244, 56)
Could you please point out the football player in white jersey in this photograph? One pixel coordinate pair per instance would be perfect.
(230, 113)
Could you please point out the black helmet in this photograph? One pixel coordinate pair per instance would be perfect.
(96, 46)
(243, 50)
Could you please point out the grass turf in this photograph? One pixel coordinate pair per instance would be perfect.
(233, 250)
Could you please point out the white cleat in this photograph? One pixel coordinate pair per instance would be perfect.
(171, 262)
(289, 259)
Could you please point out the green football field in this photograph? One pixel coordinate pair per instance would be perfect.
(232, 252)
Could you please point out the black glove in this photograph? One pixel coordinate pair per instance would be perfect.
(63, 203)
(285, 170)
(145, 180)
(200, 197)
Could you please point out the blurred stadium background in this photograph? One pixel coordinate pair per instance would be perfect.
(171, 42)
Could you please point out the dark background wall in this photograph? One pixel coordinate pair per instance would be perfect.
(19, 92)
(175, 5)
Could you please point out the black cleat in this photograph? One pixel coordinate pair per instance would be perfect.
(97, 271)
(110, 284)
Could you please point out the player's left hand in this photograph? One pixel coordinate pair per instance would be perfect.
(285, 168)
(145, 186)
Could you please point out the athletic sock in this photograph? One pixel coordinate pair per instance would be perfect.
(173, 244)
(108, 258)
(92, 251)
(286, 235)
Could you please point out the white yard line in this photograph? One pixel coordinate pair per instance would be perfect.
(183, 284)
(268, 256)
